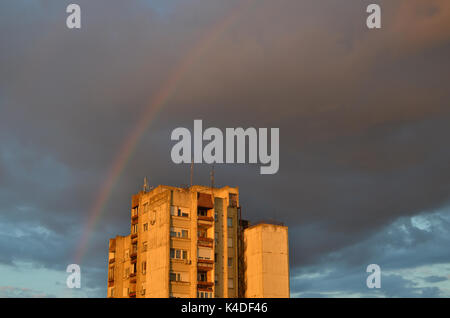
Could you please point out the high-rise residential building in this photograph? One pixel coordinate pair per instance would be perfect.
(191, 242)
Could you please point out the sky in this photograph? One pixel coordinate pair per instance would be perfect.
(364, 119)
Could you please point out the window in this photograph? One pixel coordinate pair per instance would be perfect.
(230, 242)
(202, 277)
(201, 233)
(179, 276)
(230, 283)
(145, 207)
(201, 294)
(134, 228)
(178, 232)
(215, 257)
(145, 227)
(127, 253)
(230, 261)
(230, 222)
(178, 254)
(127, 272)
(144, 247)
(177, 211)
(144, 267)
(202, 212)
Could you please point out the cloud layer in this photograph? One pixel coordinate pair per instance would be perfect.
(363, 115)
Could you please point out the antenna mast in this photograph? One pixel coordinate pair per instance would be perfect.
(145, 187)
(212, 177)
(192, 170)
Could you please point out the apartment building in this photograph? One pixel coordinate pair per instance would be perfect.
(189, 243)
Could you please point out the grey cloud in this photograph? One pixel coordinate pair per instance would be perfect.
(435, 279)
(363, 117)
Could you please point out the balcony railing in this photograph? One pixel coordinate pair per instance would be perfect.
(134, 235)
(134, 219)
(205, 241)
(205, 264)
(112, 260)
(132, 294)
(205, 286)
(205, 218)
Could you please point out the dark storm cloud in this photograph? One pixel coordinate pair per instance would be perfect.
(363, 116)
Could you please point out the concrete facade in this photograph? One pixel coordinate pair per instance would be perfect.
(267, 261)
(183, 242)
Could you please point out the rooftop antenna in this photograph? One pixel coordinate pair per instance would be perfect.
(212, 177)
(145, 187)
(212, 184)
(192, 170)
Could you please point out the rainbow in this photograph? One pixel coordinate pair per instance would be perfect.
(158, 101)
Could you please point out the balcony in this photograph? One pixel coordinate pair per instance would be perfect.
(204, 200)
(112, 260)
(132, 294)
(205, 286)
(205, 241)
(134, 219)
(205, 264)
(205, 218)
(134, 236)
